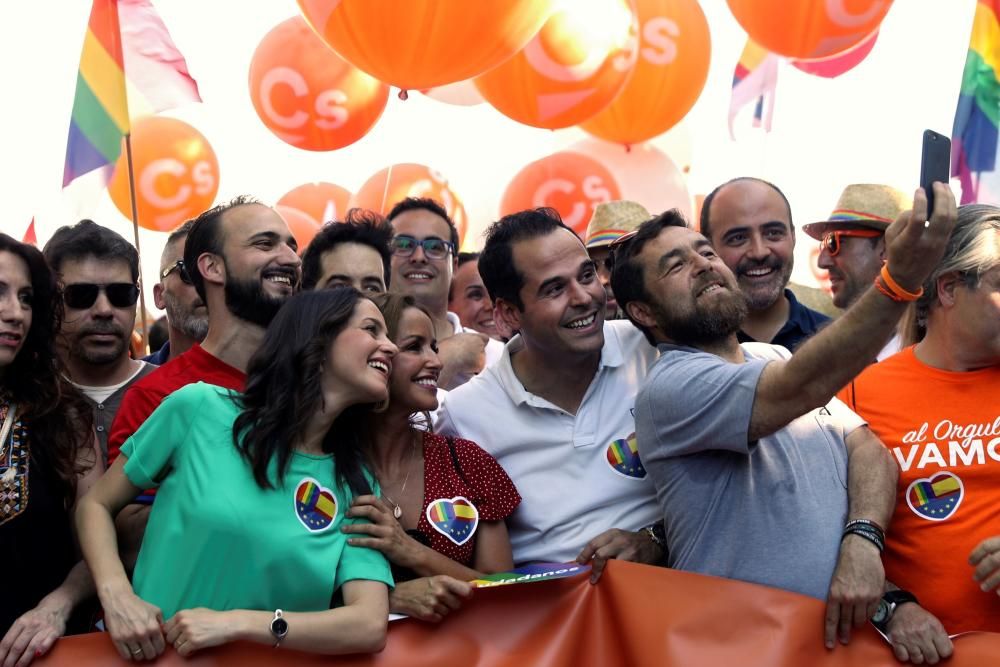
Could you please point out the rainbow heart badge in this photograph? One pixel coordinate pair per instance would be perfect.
(937, 497)
(455, 518)
(315, 505)
(623, 457)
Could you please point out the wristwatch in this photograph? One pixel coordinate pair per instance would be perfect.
(279, 627)
(887, 607)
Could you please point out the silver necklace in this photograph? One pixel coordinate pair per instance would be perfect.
(396, 510)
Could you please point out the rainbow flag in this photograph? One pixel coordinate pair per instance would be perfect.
(755, 79)
(100, 108)
(974, 136)
(123, 36)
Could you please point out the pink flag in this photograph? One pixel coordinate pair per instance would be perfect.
(157, 74)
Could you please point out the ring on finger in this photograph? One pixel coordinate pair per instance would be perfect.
(136, 651)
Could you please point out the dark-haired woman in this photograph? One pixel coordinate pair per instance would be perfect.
(440, 517)
(244, 540)
(48, 459)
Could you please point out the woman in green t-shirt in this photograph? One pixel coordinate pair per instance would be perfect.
(244, 538)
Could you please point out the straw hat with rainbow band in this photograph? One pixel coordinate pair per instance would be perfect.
(864, 206)
(612, 220)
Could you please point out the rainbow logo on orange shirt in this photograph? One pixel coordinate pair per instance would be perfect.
(937, 497)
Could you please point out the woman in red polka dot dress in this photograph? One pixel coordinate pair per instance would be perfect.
(440, 517)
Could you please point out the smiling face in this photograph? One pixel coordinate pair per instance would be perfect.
(360, 358)
(752, 232)
(16, 297)
(563, 299)
(354, 264)
(262, 268)
(97, 335)
(471, 301)
(423, 278)
(694, 299)
(416, 367)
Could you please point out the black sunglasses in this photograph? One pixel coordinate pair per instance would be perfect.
(181, 270)
(83, 295)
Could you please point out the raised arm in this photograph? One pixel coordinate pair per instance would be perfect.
(835, 355)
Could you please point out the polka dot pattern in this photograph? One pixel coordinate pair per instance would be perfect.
(485, 484)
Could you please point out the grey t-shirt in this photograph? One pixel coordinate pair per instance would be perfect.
(769, 512)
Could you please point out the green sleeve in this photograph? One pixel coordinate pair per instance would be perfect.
(156, 447)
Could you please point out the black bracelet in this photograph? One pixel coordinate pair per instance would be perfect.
(868, 534)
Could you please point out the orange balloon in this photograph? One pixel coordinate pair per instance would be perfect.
(176, 173)
(809, 28)
(321, 201)
(420, 44)
(571, 183)
(307, 95)
(670, 71)
(572, 69)
(300, 224)
(410, 180)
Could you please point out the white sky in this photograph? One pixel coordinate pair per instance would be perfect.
(864, 126)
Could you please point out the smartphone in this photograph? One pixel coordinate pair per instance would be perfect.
(935, 164)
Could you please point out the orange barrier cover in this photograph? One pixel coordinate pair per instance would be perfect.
(636, 616)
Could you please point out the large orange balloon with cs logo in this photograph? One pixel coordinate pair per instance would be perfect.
(571, 183)
(307, 95)
(321, 201)
(576, 64)
(671, 67)
(176, 174)
(809, 28)
(420, 44)
(393, 184)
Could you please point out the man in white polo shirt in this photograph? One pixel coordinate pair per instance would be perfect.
(556, 409)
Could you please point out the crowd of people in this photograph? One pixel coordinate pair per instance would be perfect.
(361, 427)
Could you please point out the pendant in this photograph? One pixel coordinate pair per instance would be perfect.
(396, 512)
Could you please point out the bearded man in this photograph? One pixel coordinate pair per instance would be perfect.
(761, 474)
(243, 265)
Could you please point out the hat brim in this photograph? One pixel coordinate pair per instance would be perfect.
(818, 229)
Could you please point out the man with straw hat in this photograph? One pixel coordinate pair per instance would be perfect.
(852, 242)
(611, 221)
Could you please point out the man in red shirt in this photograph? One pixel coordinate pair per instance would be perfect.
(935, 406)
(243, 263)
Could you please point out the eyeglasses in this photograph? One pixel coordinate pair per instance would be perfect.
(831, 240)
(83, 295)
(434, 248)
(179, 267)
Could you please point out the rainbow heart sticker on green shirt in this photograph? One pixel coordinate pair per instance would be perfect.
(315, 505)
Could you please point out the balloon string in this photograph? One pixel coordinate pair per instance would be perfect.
(385, 191)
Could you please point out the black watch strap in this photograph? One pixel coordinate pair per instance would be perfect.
(898, 597)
